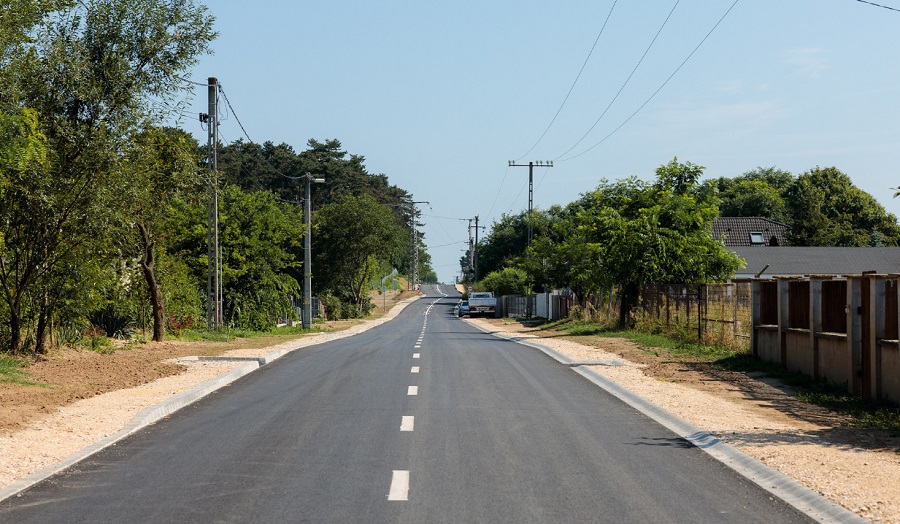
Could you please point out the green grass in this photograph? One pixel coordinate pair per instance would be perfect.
(862, 413)
(12, 371)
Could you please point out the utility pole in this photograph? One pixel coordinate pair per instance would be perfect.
(213, 251)
(414, 241)
(530, 165)
(539, 163)
(306, 313)
(475, 253)
(471, 249)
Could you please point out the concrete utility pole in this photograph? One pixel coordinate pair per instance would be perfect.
(306, 313)
(475, 253)
(530, 165)
(414, 243)
(213, 251)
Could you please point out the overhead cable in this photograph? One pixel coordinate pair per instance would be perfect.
(604, 139)
(611, 102)
(566, 99)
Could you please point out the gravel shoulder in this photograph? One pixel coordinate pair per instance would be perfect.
(855, 468)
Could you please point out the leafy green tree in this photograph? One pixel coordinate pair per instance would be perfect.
(350, 238)
(93, 72)
(158, 164)
(753, 198)
(261, 251)
(507, 281)
(631, 233)
(827, 209)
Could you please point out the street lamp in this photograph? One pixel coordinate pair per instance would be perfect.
(306, 314)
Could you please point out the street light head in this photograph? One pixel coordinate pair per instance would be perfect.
(319, 180)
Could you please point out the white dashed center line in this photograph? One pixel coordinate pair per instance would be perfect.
(415, 355)
(399, 485)
(407, 423)
(415, 369)
(412, 391)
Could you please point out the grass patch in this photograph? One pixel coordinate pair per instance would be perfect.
(12, 371)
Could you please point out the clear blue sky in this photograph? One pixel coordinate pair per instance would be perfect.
(439, 96)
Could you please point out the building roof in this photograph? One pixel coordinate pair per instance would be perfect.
(749, 231)
(801, 261)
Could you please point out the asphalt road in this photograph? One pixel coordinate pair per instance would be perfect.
(423, 419)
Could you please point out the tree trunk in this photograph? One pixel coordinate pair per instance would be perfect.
(148, 261)
(41, 335)
(629, 297)
(15, 329)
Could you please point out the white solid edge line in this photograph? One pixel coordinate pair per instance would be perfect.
(407, 423)
(399, 485)
(412, 391)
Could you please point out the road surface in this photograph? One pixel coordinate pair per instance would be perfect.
(423, 419)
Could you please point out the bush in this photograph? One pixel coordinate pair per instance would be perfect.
(112, 321)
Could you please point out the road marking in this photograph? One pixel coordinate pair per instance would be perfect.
(415, 369)
(412, 391)
(415, 355)
(399, 485)
(417, 346)
(407, 423)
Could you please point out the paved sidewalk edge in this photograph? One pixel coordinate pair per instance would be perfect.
(790, 491)
(167, 407)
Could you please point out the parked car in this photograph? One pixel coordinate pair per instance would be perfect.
(462, 308)
(482, 303)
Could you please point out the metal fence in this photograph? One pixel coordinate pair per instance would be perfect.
(716, 314)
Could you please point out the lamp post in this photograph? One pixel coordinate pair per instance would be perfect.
(306, 314)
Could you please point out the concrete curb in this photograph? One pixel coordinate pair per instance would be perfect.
(779, 485)
(155, 413)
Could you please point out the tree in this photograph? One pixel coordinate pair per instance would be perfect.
(507, 281)
(93, 72)
(158, 164)
(753, 198)
(630, 233)
(350, 238)
(828, 210)
(262, 245)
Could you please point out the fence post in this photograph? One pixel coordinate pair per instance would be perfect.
(784, 302)
(877, 306)
(815, 320)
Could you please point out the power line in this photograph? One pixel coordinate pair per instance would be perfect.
(611, 102)
(604, 139)
(879, 5)
(566, 99)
